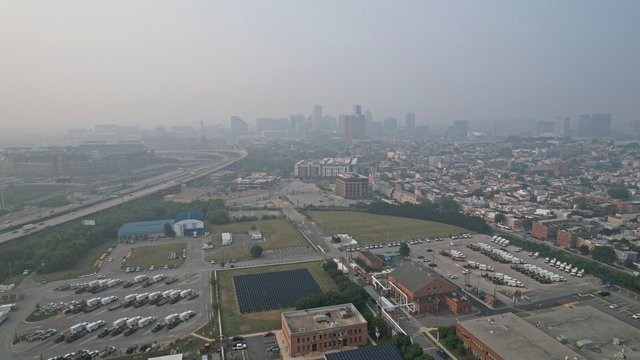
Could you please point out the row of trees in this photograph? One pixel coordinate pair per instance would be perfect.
(600, 270)
(349, 292)
(62, 247)
(451, 341)
(409, 350)
(445, 211)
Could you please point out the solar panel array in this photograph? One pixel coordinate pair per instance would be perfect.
(274, 290)
(380, 352)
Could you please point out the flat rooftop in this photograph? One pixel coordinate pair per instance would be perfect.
(513, 338)
(321, 318)
(580, 322)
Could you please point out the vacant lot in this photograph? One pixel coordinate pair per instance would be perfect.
(157, 255)
(234, 323)
(277, 234)
(370, 228)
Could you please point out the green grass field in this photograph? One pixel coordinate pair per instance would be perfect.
(235, 323)
(277, 234)
(84, 266)
(370, 228)
(157, 255)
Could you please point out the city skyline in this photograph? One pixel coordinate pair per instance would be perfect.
(75, 64)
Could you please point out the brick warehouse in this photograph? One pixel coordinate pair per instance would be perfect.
(425, 289)
(323, 329)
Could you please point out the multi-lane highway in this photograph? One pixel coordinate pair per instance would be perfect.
(137, 191)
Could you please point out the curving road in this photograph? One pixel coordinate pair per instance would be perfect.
(145, 189)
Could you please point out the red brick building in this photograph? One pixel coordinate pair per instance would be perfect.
(323, 329)
(371, 260)
(352, 186)
(425, 289)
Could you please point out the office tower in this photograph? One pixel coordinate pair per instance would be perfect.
(594, 125)
(545, 128)
(317, 118)
(357, 109)
(459, 130)
(368, 123)
(390, 126)
(297, 125)
(354, 128)
(410, 126)
(238, 126)
(562, 126)
(330, 123)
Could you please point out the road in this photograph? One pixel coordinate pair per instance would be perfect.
(143, 190)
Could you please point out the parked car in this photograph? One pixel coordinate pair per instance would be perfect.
(239, 346)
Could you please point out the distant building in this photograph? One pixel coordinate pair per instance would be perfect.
(354, 128)
(189, 223)
(255, 182)
(562, 126)
(323, 329)
(459, 130)
(352, 186)
(390, 127)
(272, 128)
(316, 118)
(238, 126)
(327, 167)
(142, 230)
(594, 125)
(410, 126)
(545, 128)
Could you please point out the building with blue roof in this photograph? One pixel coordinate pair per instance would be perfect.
(189, 223)
(143, 229)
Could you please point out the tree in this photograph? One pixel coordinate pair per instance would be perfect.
(404, 249)
(619, 193)
(604, 254)
(500, 218)
(584, 249)
(478, 193)
(168, 230)
(256, 251)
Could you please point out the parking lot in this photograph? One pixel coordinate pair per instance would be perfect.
(302, 193)
(429, 252)
(192, 275)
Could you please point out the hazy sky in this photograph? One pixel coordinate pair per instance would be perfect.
(77, 63)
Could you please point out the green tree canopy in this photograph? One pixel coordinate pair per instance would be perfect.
(404, 249)
(604, 254)
(256, 251)
(619, 193)
(500, 218)
(168, 230)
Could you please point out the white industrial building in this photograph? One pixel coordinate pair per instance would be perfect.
(189, 223)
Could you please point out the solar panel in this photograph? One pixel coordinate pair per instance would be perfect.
(380, 352)
(274, 290)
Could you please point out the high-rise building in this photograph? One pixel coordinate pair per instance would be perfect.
(390, 125)
(562, 127)
(354, 128)
(238, 126)
(316, 118)
(459, 130)
(594, 125)
(410, 126)
(545, 128)
(368, 123)
(357, 109)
